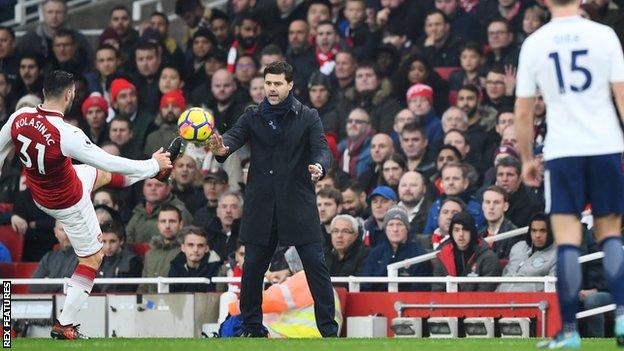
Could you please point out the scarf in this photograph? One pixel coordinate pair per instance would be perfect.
(233, 54)
(323, 59)
(273, 115)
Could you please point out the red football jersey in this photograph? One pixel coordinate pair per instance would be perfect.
(49, 174)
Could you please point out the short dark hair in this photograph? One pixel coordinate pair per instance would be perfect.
(452, 148)
(331, 193)
(456, 200)
(191, 229)
(510, 161)
(115, 228)
(354, 186)
(504, 109)
(271, 49)
(498, 189)
(120, 118)
(119, 8)
(498, 69)
(9, 30)
(327, 22)
(216, 14)
(160, 14)
(414, 127)
(280, 67)
(56, 83)
(369, 65)
(470, 87)
(503, 21)
(184, 6)
(108, 47)
(171, 208)
(455, 130)
(39, 60)
(110, 193)
(146, 45)
(64, 32)
(438, 12)
(471, 46)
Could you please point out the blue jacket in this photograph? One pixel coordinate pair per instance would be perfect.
(373, 235)
(433, 126)
(382, 255)
(5, 254)
(472, 206)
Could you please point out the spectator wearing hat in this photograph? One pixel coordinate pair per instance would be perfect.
(203, 43)
(419, 100)
(94, 111)
(439, 45)
(467, 254)
(346, 255)
(397, 247)
(215, 183)
(125, 102)
(143, 224)
(380, 200)
(301, 54)
(320, 97)
(171, 106)
(119, 261)
(106, 69)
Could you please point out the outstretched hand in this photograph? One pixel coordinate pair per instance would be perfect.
(163, 158)
(215, 143)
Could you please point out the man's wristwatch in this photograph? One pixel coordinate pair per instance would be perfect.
(320, 167)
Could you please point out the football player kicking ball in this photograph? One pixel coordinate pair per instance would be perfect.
(576, 63)
(46, 146)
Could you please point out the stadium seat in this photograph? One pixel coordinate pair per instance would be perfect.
(18, 270)
(14, 241)
(445, 72)
(140, 249)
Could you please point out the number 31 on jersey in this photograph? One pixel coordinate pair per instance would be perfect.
(25, 157)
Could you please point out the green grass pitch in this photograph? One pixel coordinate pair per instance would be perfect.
(384, 344)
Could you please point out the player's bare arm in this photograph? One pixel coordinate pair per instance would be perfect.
(618, 94)
(524, 127)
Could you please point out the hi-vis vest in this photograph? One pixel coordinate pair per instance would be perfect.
(289, 309)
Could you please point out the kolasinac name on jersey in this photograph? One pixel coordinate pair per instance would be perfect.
(35, 122)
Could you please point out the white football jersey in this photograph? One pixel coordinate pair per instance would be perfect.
(573, 61)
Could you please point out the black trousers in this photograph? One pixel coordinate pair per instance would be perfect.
(257, 260)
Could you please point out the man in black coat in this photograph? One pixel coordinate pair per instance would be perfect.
(288, 154)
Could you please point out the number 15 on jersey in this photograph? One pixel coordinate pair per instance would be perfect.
(575, 67)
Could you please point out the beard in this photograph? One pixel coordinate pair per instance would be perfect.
(246, 42)
(68, 107)
(169, 118)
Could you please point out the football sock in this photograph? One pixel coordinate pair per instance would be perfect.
(568, 284)
(121, 181)
(78, 289)
(613, 265)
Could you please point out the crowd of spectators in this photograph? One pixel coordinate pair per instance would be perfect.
(416, 98)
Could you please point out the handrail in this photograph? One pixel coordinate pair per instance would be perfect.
(354, 282)
(393, 268)
(137, 6)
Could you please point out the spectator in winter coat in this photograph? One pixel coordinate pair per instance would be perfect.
(455, 183)
(495, 204)
(195, 260)
(355, 157)
(535, 256)
(346, 255)
(466, 255)
(55, 264)
(396, 248)
(119, 261)
(381, 199)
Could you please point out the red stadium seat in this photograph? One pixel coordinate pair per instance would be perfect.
(13, 240)
(140, 249)
(445, 72)
(18, 270)
(503, 262)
